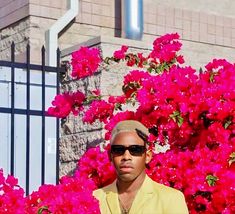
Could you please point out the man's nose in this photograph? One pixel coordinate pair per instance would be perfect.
(126, 155)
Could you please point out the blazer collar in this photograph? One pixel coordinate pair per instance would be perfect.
(112, 198)
(143, 195)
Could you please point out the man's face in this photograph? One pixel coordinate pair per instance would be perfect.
(129, 167)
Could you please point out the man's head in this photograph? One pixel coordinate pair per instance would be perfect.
(129, 152)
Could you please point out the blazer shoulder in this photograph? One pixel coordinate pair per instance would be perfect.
(166, 192)
(101, 192)
(166, 189)
(168, 195)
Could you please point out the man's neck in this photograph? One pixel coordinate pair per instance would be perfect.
(132, 186)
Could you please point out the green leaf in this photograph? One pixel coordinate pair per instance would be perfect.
(149, 69)
(231, 158)
(41, 209)
(212, 75)
(227, 123)
(107, 59)
(180, 121)
(90, 98)
(211, 180)
(118, 106)
(177, 118)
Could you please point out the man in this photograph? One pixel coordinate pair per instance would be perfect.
(133, 192)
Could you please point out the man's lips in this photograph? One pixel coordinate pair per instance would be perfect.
(126, 168)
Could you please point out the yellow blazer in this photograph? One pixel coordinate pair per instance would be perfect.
(152, 198)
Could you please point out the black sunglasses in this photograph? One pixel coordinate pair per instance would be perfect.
(135, 150)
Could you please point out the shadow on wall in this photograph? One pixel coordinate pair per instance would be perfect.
(118, 21)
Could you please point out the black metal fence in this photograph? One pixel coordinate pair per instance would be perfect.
(29, 84)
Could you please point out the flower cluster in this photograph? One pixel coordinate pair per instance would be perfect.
(204, 175)
(166, 47)
(72, 195)
(120, 54)
(99, 109)
(66, 103)
(164, 54)
(96, 165)
(85, 62)
(11, 195)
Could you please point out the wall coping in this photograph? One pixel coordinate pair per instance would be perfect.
(108, 40)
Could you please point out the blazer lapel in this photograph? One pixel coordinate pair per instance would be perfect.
(112, 199)
(144, 194)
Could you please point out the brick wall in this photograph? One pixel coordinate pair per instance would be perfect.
(210, 27)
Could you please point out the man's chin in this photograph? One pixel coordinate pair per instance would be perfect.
(126, 177)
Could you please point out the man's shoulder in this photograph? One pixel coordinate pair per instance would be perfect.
(168, 195)
(161, 188)
(98, 193)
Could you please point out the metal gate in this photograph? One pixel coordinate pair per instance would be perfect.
(28, 136)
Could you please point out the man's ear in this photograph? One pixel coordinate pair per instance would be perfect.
(149, 155)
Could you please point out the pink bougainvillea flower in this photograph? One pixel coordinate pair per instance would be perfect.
(120, 54)
(180, 59)
(12, 198)
(85, 62)
(166, 47)
(95, 164)
(99, 109)
(65, 103)
(62, 106)
(77, 104)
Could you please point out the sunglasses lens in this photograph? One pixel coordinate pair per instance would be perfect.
(117, 149)
(135, 150)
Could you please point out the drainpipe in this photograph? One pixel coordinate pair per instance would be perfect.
(132, 19)
(51, 35)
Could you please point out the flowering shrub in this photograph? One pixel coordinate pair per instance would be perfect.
(191, 118)
(190, 112)
(12, 199)
(72, 195)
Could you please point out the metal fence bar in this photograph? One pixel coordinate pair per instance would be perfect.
(43, 117)
(22, 112)
(12, 169)
(27, 120)
(57, 120)
(31, 66)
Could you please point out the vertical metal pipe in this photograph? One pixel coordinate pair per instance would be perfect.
(57, 120)
(43, 117)
(12, 169)
(132, 19)
(27, 119)
(51, 36)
